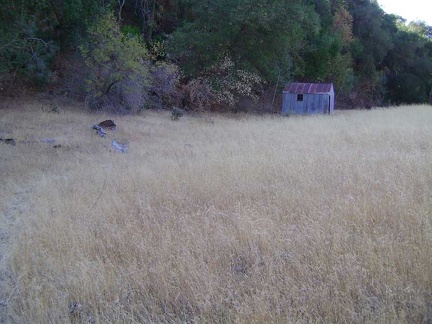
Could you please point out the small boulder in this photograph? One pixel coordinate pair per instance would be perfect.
(108, 124)
(100, 131)
(120, 147)
(102, 126)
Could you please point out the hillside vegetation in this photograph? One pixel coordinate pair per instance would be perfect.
(216, 218)
(212, 55)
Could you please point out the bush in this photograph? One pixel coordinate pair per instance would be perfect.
(118, 67)
(163, 89)
(230, 83)
(223, 84)
(199, 95)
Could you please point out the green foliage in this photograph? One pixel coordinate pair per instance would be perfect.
(354, 44)
(26, 49)
(71, 18)
(371, 45)
(259, 37)
(407, 88)
(327, 58)
(116, 64)
(131, 30)
(410, 70)
(157, 17)
(420, 28)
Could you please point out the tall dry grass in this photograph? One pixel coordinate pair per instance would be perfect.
(216, 219)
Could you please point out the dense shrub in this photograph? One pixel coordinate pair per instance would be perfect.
(163, 90)
(223, 85)
(230, 83)
(198, 95)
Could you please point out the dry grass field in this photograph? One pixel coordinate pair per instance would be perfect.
(216, 219)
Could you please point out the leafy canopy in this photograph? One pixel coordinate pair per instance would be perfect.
(116, 62)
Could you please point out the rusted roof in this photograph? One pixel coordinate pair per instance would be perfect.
(308, 88)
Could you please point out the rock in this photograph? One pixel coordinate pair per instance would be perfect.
(120, 147)
(10, 141)
(108, 124)
(100, 131)
(102, 126)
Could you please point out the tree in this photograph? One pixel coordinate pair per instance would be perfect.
(326, 55)
(157, 17)
(421, 29)
(117, 66)
(27, 47)
(409, 67)
(260, 40)
(259, 37)
(372, 42)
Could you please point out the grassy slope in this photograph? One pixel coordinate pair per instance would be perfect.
(216, 219)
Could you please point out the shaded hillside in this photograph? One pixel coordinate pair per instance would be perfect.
(207, 54)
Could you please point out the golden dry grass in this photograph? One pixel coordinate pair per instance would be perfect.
(216, 219)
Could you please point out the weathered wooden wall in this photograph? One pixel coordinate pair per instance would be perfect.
(311, 104)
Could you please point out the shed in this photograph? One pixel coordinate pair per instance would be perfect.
(308, 98)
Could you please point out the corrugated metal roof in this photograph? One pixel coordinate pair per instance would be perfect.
(308, 88)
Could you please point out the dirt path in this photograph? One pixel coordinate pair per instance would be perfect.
(16, 207)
